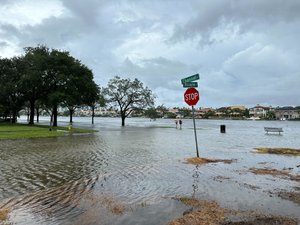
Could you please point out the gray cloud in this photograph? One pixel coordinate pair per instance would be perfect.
(246, 52)
(246, 15)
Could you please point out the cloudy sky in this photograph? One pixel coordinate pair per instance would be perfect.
(246, 52)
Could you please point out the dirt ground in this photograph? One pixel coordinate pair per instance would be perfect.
(204, 212)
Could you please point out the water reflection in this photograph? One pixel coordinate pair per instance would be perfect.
(196, 177)
(33, 165)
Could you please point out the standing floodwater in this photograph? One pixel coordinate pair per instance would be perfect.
(125, 175)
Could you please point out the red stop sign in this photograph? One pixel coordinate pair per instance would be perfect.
(191, 96)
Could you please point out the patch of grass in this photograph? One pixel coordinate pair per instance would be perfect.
(112, 204)
(275, 173)
(68, 129)
(279, 151)
(200, 161)
(210, 213)
(18, 131)
(291, 196)
(3, 214)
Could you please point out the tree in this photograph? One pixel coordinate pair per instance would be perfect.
(270, 115)
(128, 95)
(162, 110)
(36, 69)
(94, 97)
(185, 112)
(246, 113)
(151, 113)
(79, 88)
(69, 84)
(209, 114)
(11, 95)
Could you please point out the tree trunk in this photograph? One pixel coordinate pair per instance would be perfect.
(93, 113)
(123, 120)
(51, 121)
(37, 114)
(14, 116)
(71, 111)
(55, 116)
(32, 108)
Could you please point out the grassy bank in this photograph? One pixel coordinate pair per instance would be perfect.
(17, 131)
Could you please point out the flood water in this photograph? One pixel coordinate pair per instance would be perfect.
(130, 175)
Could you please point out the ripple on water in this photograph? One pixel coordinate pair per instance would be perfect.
(47, 180)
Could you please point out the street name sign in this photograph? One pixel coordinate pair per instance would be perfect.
(191, 96)
(190, 79)
(190, 84)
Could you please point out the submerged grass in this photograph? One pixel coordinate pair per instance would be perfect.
(200, 161)
(18, 131)
(205, 212)
(279, 151)
(275, 173)
(3, 214)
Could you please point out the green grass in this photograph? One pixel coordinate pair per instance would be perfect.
(17, 131)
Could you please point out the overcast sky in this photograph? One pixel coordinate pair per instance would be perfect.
(246, 52)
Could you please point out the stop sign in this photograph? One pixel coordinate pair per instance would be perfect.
(191, 96)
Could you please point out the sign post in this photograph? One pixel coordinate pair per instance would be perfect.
(191, 97)
(193, 109)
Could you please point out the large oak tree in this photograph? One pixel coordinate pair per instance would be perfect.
(128, 95)
(45, 78)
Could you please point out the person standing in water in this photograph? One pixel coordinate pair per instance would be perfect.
(180, 123)
(176, 122)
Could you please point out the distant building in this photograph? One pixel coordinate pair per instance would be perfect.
(260, 111)
(287, 113)
(237, 107)
(203, 112)
(230, 112)
(173, 110)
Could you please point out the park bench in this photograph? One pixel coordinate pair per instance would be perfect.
(273, 129)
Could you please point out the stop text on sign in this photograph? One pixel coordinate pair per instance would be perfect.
(191, 96)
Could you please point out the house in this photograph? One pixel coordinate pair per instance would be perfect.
(287, 113)
(260, 111)
(204, 112)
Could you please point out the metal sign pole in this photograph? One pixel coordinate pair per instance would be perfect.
(195, 130)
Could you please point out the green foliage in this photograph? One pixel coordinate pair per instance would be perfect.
(171, 115)
(209, 114)
(151, 113)
(162, 110)
(246, 113)
(11, 95)
(128, 95)
(270, 115)
(47, 79)
(185, 112)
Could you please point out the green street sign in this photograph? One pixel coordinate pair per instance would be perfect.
(190, 78)
(190, 84)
